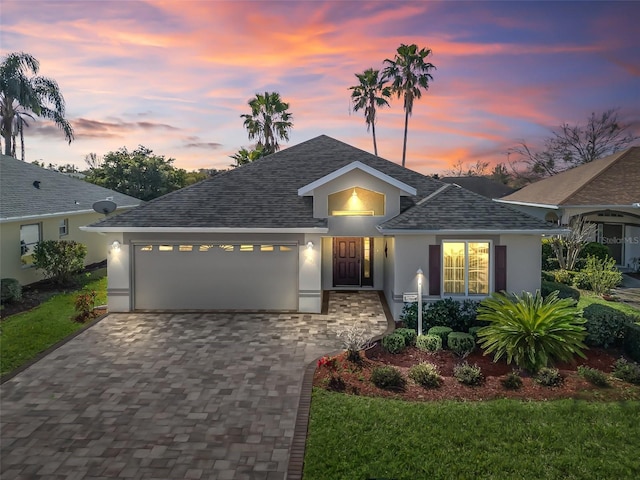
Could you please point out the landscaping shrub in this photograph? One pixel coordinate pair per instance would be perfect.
(592, 249)
(426, 375)
(469, 314)
(547, 276)
(549, 377)
(393, 343)
(468, 374)
(458, 316)
(409, 315)
(627, 371)
(549, 259)
(409, 336)
(10, 290)
(530, 330)
(474, 331)
(354, 339)
(512, 381)
(429, 343)
(84, 303)
(336, 384)
(594, 376)
(59, 259)
(564, 291)
(462, 344)
(566, 277)
(632, 341)
(600, 276)
(388, 378)
(605, 326)
(442, 332)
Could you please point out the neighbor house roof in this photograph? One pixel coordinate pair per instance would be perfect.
(265, 195)
(481, 185)
(30, 191)
(609, 181)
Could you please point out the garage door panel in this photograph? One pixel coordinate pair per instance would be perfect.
(216, 278)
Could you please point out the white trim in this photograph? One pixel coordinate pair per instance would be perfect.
(490, 267)
(27, 218)
(203, 230)
(632, 205)
(528, 204)
(554, 231)
(308, 189)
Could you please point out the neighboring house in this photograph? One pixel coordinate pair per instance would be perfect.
(481, 185)
(39, 204)
(605, 192)
(321, 215)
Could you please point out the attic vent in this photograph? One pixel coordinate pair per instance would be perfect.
(36, 184)
(611, 214)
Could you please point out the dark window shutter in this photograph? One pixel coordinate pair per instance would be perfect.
(434, 269)
(500, 262)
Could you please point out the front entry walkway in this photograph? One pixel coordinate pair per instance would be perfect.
(172, 396)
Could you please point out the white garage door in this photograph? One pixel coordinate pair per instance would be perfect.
(215, 277)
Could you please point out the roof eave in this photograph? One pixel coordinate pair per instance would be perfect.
(57, 214)
(401, 231)
(99, 229)
(527, 204)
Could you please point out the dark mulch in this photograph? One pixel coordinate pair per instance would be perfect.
(36, 293)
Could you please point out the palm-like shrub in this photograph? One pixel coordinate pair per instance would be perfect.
(531, 330)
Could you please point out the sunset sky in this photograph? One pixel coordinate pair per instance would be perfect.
(175, 76)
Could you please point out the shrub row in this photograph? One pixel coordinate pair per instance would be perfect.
(462, 344)
(564, 291)
(457, 315)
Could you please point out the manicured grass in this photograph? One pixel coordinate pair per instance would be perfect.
(354, 437)
(25, 335)
(586, 300)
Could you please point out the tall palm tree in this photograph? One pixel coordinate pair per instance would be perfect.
(245, 156)
(409, 75)
(24, 95)
(269, 121)
(370, 94)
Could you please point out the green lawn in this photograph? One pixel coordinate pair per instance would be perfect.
(354, 437)
(25, 335)
(586, 300)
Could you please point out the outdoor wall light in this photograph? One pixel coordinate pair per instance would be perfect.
(309, 245)
(115, 246)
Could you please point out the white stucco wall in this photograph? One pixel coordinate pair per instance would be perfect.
(10, 263)
(310, 275)
(524, 261)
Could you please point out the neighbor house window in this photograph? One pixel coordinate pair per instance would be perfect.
(465, 268)
(356, 202)
(63, 227)
(30, 235)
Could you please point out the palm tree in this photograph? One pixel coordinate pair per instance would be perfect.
(22, 95)
(269, 121)
(409, 75)
(369, 94)
(245, 156)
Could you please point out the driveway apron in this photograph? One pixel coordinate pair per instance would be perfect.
(172, 396)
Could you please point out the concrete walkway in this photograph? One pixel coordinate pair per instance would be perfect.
(629, 291)
(171, 396)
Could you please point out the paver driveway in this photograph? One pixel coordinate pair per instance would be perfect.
(171, 396)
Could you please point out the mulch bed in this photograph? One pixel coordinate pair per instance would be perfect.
(356, 377)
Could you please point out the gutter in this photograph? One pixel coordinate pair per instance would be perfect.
(551, 231)
(57, 214)
(202, 230)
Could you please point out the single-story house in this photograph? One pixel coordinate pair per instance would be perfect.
(605, 192)
(39, 204)
(318, 216)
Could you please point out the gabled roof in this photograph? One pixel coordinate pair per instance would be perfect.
(609, 181)
(308, 189)
(55, 194)
(481, 185)
(263, 195)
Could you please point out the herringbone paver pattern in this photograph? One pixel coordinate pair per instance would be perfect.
(171, 396)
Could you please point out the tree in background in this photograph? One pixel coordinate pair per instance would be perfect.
(370, 94)
(140, 173)
(572, 145)
(409, 74)
(268, 122)
(24, 94)
(244, 156)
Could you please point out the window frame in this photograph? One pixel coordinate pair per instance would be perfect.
(490, 268)
(29, 246)
(63, 227)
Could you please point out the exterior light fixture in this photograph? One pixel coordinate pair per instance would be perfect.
(115, 246)
(419, 273)
(309, 245)
(354, 194)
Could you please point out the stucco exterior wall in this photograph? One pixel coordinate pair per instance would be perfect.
(524, 262)
(10, 263)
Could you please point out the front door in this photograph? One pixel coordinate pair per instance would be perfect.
(347, 255)
(612, 237)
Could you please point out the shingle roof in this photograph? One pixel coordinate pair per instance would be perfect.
(481, 185)
(264, 194)
(57, 192)
(613, 180)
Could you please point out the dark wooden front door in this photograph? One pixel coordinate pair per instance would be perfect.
(347, 255)
(612, 238)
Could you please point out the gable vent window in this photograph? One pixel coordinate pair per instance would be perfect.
(356, 202)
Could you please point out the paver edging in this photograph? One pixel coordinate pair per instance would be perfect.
(8, 376)
(299, 441)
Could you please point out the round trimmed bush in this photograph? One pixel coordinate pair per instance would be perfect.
(462, 344)
(474, 331)
(388, 378)
(409, 335)
(442, 332)
(10, 290)
(468, 374)
(549, 377)
(512, 381)
(429, 343)
(394, 343)
(426, 375)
